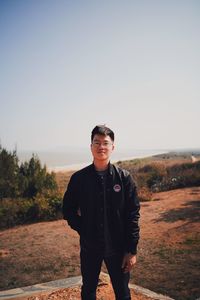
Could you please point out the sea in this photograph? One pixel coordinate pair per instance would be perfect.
(78, 158)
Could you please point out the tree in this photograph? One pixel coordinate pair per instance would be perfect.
(26, 180)
(8, 173)
(34, 178)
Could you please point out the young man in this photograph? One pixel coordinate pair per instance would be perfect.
(101, 204)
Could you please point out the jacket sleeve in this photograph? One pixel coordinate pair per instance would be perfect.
(132, 215)
(71, 204)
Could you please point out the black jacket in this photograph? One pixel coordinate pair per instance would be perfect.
(79, 206)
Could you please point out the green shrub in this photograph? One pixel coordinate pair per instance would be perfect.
(8, 173)
(23, 211)
(14, 212)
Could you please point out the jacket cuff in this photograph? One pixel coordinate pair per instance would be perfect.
(132, 250)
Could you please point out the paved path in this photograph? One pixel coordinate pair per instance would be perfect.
(65, 283)
(42, 287)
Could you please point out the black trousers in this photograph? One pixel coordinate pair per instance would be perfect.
(90, 268)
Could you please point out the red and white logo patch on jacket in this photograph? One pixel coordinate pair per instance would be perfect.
(117, 188)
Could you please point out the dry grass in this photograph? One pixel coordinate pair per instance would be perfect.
(62, 179)
(168, 258)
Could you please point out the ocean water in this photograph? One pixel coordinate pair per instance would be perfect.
(73, 160)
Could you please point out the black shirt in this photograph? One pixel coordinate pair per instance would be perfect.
(103, 208)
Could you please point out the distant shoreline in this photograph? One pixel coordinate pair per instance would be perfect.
(78, 166)
(71, 161)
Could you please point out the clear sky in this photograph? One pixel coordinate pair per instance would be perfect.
(66, 66)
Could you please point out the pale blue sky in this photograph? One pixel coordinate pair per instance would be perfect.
(66, 66)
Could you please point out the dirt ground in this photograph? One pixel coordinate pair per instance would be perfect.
(168, 254)
(103, 293)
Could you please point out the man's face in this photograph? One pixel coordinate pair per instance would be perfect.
(102, 147)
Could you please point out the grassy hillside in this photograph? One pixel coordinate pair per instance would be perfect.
(155, 173)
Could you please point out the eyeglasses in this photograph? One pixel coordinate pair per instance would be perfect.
(97, 144)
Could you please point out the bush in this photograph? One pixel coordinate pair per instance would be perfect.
(157, 177)
(15, 212)
(144, 194)
(181, 176)
(151, 176)
(23, 210)
(28, 193)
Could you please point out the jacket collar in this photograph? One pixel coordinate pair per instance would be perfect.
(110, 168)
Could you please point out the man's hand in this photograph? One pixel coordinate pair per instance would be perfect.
(128, 262)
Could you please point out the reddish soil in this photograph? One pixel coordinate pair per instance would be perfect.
(104, 292)
(168, 256)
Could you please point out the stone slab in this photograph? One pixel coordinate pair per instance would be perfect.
(65, 283)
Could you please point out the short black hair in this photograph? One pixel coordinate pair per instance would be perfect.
(102, 130)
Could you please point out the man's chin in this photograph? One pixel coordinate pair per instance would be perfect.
(102, 157)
